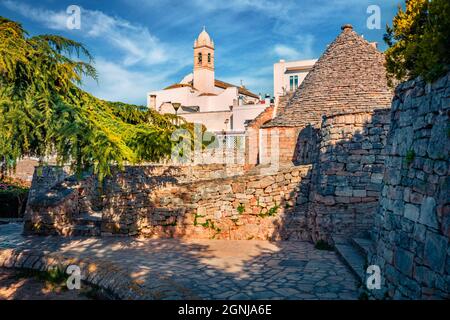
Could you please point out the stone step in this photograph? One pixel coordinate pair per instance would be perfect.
(353, 258)
(10, 220)
(339, 240)
(85, 230)
(363, 245)
(88, 219)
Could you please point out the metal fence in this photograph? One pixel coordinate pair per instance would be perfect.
(234, 140)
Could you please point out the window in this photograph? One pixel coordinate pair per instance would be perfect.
(293, 82)
(209, 57)
(200, 58)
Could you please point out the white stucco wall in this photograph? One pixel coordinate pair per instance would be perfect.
(180, 95)
(213, 121)
(189, 97)
(246, 112)
(284, 69)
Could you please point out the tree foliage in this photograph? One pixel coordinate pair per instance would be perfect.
(419, 41)
(44, 112)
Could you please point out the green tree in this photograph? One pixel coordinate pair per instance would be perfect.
(44, 112)
(419, 41)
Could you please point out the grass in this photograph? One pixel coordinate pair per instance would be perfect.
(13, 196)
(323, 245)
(54, 277)
(363, 296)
(196, 217)
(287, 206)
(271, 212)
(57, 279)
(235, 221)
(241, 208)
(208, 224)
(410, 155)
(172, 224)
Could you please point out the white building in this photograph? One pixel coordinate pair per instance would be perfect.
(288, 75)
(220, 106)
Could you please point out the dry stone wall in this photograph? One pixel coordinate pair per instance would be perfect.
(57, 198)
(279, 145)
(138, 202)
(347, 178)
(252, 206)
(412, 228)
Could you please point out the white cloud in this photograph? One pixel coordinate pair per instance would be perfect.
(301, 48)
(139, 45)
(268, 6)
(142, 60)
(135, 41)
(286, 52)
(49, 18)
(117, 83)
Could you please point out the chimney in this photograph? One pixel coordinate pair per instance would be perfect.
(347, 27)
(152, 102)
(374, 44)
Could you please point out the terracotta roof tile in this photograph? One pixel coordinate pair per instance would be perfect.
(179, 85)
(242, 90)
(217, 83)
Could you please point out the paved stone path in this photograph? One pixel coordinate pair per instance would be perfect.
(211, 269)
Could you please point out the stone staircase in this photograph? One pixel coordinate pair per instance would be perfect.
(87, 224)
(353, 253)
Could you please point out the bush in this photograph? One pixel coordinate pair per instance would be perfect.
(419, 41)
(13, 198)
(323, 245)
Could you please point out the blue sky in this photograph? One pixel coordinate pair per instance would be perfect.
(144, 45)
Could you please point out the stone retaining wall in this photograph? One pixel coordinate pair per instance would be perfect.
(57, 198)
(246, 207)
(412, 228)
(138, 202)
(278, 145)
(347, 177)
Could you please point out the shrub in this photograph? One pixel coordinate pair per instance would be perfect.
(323, 245)
(241, 208)
(13, 197)
(418, 41)
(271, 212)
(410, 155)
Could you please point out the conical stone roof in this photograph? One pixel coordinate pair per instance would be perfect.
(349, 77)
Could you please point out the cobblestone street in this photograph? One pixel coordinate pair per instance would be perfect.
(210, 269)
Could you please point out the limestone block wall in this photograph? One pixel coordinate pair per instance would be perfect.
(252, 137)
(347, 176)
(306, 147)
(279, 144)
(45, 177)
(412, 229)
(251, 206)
(56, 197)
(164, 202)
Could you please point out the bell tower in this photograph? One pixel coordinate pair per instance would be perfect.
(204, 63)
